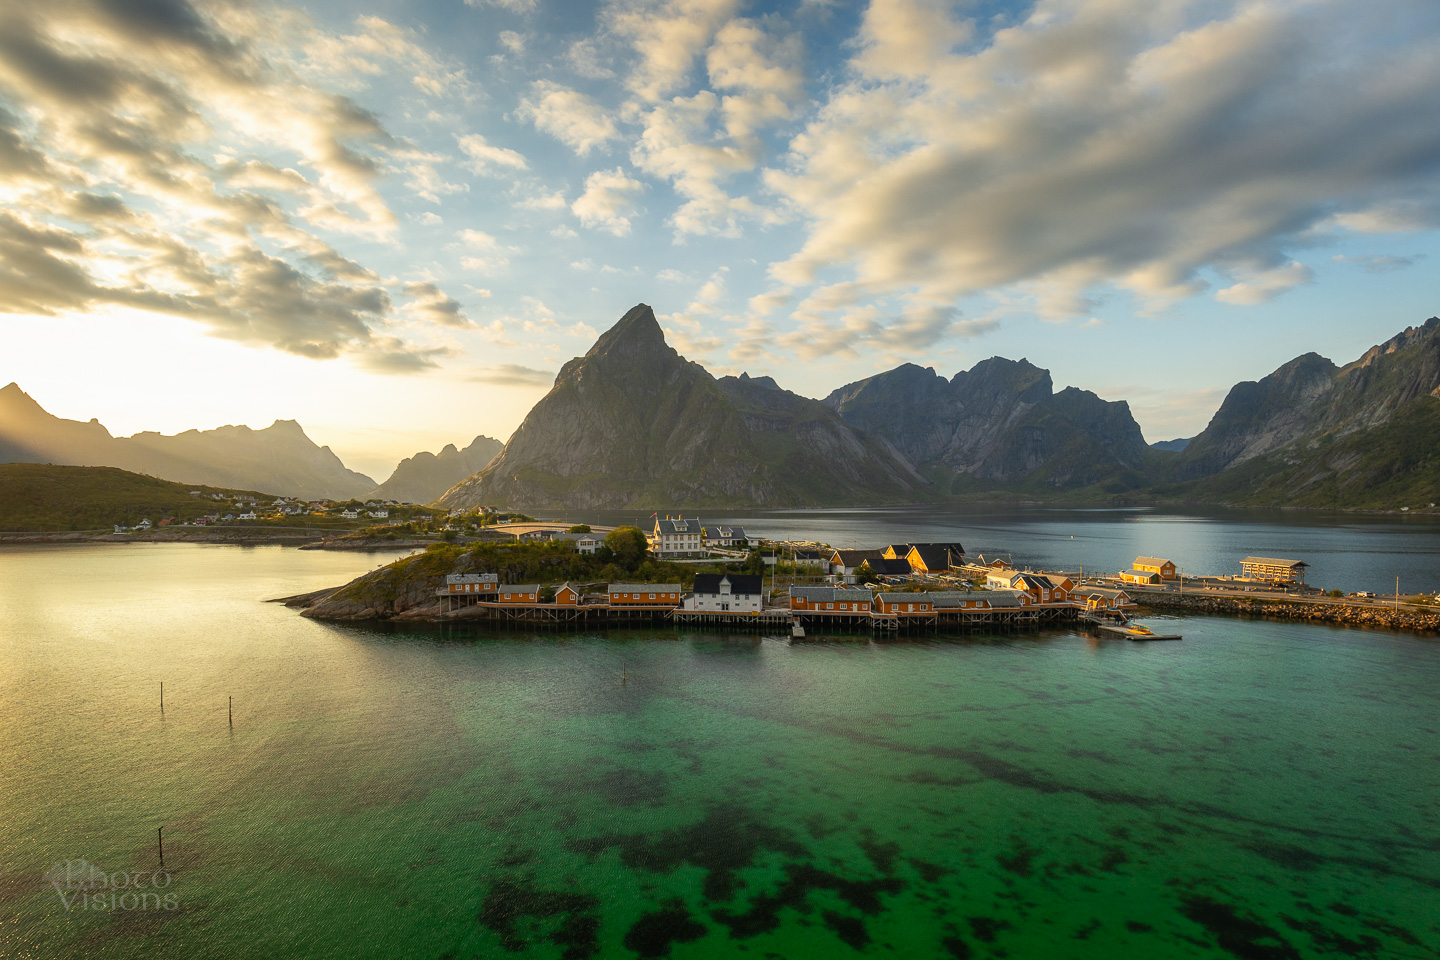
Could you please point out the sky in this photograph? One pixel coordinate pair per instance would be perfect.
(394, 221)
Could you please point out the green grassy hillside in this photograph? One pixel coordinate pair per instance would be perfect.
(38, 496)
(1396, 464)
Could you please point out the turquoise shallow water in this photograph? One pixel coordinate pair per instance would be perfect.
(1258, 790)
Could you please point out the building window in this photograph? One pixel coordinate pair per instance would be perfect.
(652, 596)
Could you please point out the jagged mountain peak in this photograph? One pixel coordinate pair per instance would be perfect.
(637, 330)
(766, 382)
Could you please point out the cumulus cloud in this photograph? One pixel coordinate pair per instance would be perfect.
(667, 36)
(608, 201)
(487, 158)
(568, 115)
(1125, 142)
(430, 303)
(124, 146)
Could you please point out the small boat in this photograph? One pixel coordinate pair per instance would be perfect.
(797, 632)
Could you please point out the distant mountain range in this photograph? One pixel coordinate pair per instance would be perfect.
(634, 424)
(425, 476)
(279, 458)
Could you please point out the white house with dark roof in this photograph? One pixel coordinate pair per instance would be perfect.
(678, 539)
(726, 593)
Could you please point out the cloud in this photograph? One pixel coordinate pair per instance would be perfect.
(584, 58)
(1260, 286)
(543, 201)
(379, 45)
(1121, 144)
(567, 115)
(669, 275)
(393, 356)
(1382, 264)
(429, 303)
(485, 158)
(866, 328)
(513, 375)
(667, 35)
(514, 6)
(512, 41)
(608, 201)
(181, 160)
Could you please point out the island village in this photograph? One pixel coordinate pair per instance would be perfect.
(807, 586)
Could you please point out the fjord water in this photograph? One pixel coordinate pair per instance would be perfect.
(1346, 551)
(1258, 790)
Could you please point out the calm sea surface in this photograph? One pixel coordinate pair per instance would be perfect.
(1345, 551)
(1258, 790)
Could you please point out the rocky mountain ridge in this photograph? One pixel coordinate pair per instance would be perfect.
(280, 457)
(1000, 423)
(425, 476)
(632, 423)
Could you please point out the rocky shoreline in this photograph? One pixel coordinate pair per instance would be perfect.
(1343, 614)
(257, 537)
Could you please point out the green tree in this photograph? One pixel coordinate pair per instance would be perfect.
(629, 546)
(580, 528)
(863, 574)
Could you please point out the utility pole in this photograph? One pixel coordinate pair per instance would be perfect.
(1397, 595)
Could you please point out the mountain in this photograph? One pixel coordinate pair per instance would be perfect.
(999, 424)
(632, 423)
(1315, 434)
(1174, 446)
(425, 476)
(280, 457)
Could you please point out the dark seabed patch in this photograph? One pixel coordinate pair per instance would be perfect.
(519, 912)
(849, 929)
(654, 933)
(724, 841)
(1243, 937)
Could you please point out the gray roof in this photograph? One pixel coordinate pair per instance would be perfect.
(678, 525)
(721, 532)
(1105, 592)
(904, 597)
(1151, 561)
(825, 594)
(1037, 580)
(519, 588)
(1273, 562)
(644, 588)
(953, 598)
(1002, 598)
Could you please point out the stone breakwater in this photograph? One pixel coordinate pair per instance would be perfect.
(1338, 613)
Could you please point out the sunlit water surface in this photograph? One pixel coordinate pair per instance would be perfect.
(1257, 790)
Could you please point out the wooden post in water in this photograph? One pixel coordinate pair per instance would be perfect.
(160, 839)
(232, 711)
(623, 676)
(162, 696)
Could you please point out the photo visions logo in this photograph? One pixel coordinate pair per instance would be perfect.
(84, 886)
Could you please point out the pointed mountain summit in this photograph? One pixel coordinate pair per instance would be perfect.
(632, 423)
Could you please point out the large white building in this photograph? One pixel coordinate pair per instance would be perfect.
(678, 539)
(726, 593)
